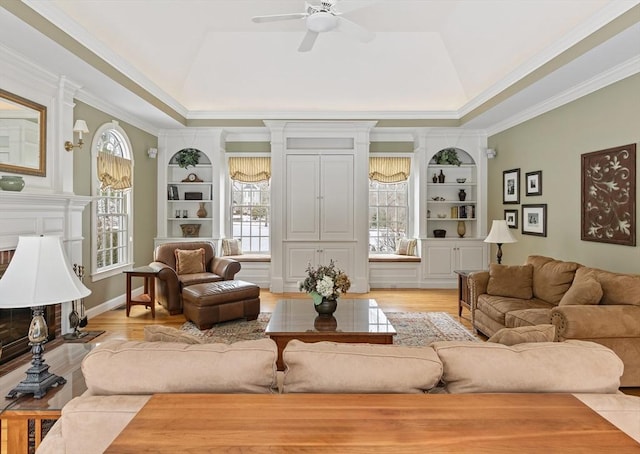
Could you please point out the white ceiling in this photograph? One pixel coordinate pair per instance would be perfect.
(430, 59)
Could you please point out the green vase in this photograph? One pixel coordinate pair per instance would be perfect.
(11, 183)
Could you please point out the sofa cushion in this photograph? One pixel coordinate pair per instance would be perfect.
(198, 278)
(556, 367)
(585, 290)
(330, 367)
(161, 333)
(513, 281)
(617, 288)
(524, 334)
(551, 277)
(132, 367)
(496, 307)
(190, 261)
(528, 317)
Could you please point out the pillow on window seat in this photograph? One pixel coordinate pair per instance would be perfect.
(231, 246)
(189, 261)
(406, 246)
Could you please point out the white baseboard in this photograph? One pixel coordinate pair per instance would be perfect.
(111, 304)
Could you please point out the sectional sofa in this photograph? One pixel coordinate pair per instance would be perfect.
(122, 375)
(582, 302)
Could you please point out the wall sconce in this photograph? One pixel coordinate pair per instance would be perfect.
(152, 152)
(491, 153)
(80, 127)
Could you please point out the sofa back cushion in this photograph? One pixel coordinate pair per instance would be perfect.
(551, 277)
(330, 367)
(552, 367)
(165, 253)
(133, 367)
(617, 288)
(585, 289)
(510, 281)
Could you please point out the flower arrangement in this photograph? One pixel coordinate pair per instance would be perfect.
(188, 157)
(325, 281)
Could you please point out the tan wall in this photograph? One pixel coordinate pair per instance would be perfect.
(553, 143)
(144, 199)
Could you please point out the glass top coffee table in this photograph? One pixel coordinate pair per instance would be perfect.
(355, 320)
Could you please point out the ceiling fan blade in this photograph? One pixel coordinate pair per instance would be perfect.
(277, 17)
(308, 41)
(355, 30)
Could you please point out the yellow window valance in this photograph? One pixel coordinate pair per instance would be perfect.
(389, 170)
(250, 170)
(113, 171)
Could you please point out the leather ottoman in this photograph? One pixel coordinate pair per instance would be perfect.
(215, 302)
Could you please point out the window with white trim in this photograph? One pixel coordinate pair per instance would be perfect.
(388, 203)
(112, 186)
(251, 203)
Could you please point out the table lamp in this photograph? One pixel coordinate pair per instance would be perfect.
(39, 275)
(500, 235)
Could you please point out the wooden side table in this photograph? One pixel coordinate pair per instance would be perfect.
(148, 297)
(464, 297)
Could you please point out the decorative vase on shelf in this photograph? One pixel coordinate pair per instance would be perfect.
(441, 177)
(11, 183)
(435, 178)
(202, 211)
(462, 229)
(326, 308)
(462, 195)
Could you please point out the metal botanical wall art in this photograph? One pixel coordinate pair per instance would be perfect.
(609, 195)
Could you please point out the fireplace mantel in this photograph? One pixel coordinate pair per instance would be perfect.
(26, 213)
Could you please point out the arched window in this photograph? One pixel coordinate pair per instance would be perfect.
(112, 187)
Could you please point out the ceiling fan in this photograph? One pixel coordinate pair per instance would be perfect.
(319, 19)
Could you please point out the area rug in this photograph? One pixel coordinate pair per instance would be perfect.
(413, 329)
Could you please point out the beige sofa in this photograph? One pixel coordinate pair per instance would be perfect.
(122, 375)
(583, 303)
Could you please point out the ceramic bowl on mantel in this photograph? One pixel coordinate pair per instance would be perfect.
(11, 183)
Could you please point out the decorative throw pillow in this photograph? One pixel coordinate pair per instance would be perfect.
(585, 290)
(524, 334)
(231, 246)
(511, 281)
(406, 246)
(190, 261)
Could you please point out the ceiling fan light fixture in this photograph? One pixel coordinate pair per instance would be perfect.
(321, 22)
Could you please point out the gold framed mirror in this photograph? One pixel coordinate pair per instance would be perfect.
(23, 132)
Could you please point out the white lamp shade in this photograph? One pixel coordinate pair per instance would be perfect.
(81, 127)
(500, 233)
(39, 274)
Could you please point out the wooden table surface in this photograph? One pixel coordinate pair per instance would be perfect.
(367, 423)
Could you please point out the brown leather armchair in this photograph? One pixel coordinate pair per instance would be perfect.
(169, 284)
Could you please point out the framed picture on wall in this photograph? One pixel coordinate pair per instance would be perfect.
(172, 192)
(511, 216)
(534, 182)
(609, 196)
(511, 186)
(534, 219)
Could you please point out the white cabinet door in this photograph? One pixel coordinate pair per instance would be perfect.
(440, 258)
(303, 202)
(472, 256)
(336, 197)
(300, 255)
(319, 197)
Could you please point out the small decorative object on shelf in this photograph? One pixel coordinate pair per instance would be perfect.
(462, 229)
(441, 177)
(177, 213)
(11, 183)
(460, 180)
(462, 195)
(325, 284)
(435, 178)
(188, 157)
(185, 214)
(447, 156)
(192, 178)
(190, 230)
(439, 233)
(202, 211)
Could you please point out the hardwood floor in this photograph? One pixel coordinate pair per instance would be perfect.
(117, 324)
